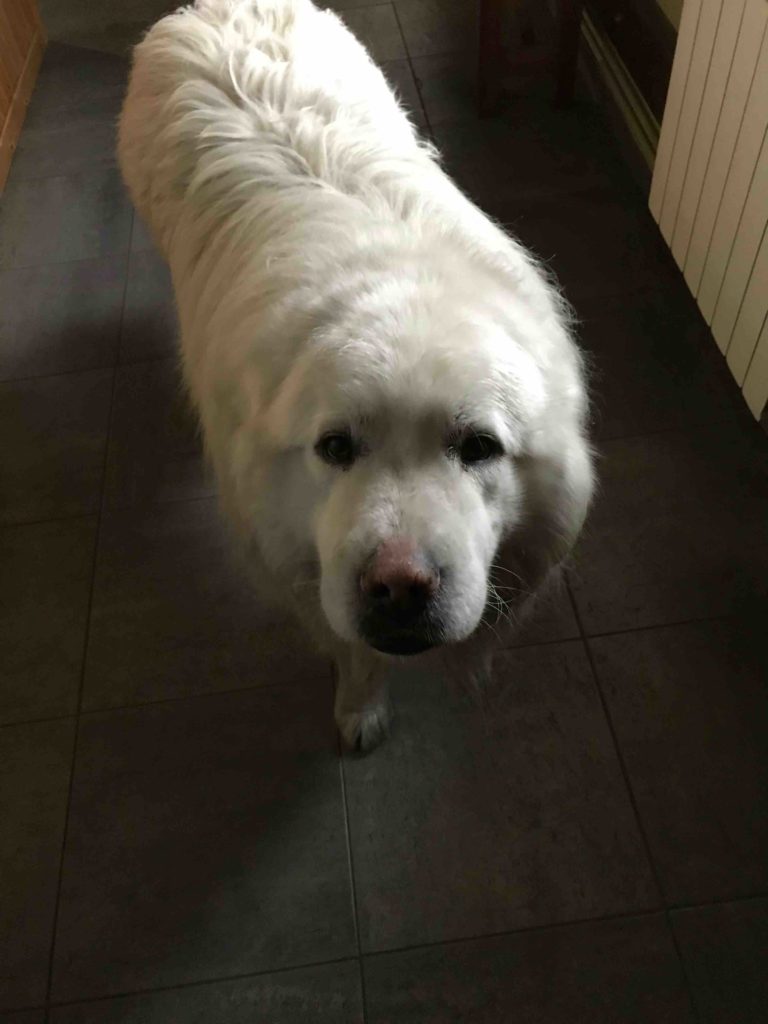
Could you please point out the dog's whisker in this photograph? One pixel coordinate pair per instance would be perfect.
(504, 568)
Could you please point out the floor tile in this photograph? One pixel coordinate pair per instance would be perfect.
(596, 973)
(150, 325)
(112, 26)
(61, 317)
(174, 615)
(377, 29)
(141, 239)
(652, 365)
(52, 436)
(625, 246)
(677, 530)
(77, 146)
(205, 839)
(688, 706)
(551, 618)
(436, 26)
(470, 820)
(34, 781)
(725, 949)
(155, 451)
(207, 834)
(343, 5)
(446, 83)
(534, 150)
(53, 220)
(75, 83)
(45, 585)
(313, 995)
(400, 77)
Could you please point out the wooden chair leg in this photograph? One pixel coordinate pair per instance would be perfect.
(568, 33)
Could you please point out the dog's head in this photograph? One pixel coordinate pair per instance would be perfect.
(429, 459)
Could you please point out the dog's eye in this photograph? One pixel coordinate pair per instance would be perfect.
(337, 449)
(478, 448)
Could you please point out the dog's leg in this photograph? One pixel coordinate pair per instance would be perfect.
(362, 707)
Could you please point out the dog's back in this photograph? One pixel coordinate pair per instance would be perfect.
(273, 93)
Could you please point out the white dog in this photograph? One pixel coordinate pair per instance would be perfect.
(387, 387)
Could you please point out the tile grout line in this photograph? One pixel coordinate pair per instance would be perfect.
(271, 687)
(600, 634)
(38, 721)
(395, 950)
(578, 922)
(64, 263)
(352, 883)
(60, 373)
(179, 986)
(622, 765)
(74, 518)
(154, 506)
(633, 802)
(117, 364)
(86, 636)
(100, 164)
(103, 258)
(202, 695)
(582, 636)
(430, 134)
(107, 709)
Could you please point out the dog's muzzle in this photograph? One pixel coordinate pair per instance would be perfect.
(399, 590)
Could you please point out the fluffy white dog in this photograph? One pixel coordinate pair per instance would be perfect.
(387, 387)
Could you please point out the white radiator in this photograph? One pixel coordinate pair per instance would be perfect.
(710, 182)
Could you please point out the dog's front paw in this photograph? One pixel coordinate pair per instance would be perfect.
(362, 731)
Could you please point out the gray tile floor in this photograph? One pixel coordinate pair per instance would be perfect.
(180, 840)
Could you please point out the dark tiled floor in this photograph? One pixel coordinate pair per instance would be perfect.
(313, 995)
(35, 760)
(148, 328)
(63, 218)
(180, 840)
(60, 317)
(226, 851)
(725, 949)
(623, 970)
(172, 615)
(44, 589)
(151, 417)
(53, 442)
(517, 814)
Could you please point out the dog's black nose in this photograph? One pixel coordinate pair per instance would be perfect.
(398, 587)
(402, 598)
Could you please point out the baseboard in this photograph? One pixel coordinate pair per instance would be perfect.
(11, 129)
(617, 90)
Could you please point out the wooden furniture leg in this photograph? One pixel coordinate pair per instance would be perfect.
(493, 59)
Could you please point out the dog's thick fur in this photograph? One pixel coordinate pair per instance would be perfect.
(329, 275)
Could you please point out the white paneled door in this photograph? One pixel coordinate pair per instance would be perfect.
(710, 182)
